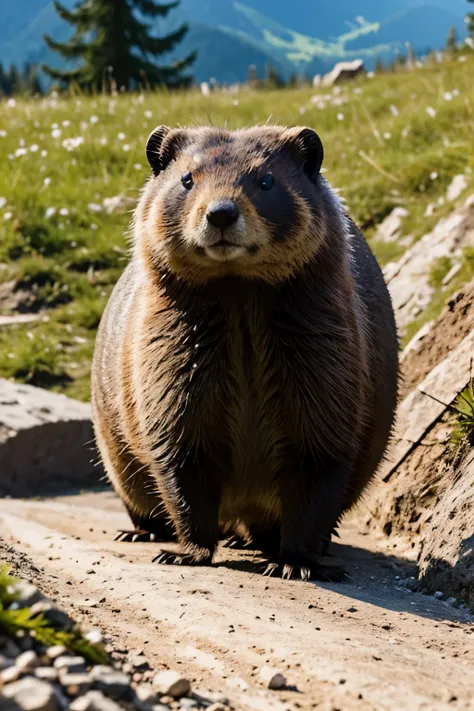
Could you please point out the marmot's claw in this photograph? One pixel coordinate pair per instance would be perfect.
(301, 568)
(170, 558)
(136, 535)
(236, 542)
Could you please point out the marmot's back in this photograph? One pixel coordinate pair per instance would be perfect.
(245, 371)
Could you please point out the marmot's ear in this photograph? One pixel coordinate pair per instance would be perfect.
(162, 146)
(310, 147)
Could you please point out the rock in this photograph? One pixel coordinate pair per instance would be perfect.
(457, 187)
(139, 663)
(75, 684)
(146, 694)
(391, 228)
(71, 665)
(9, 674)
(447, 555)
(26, 594)
(188, 703)
(56, 651)
(53, 614)
(343, 71)
(17, 319)
(46, 673)
(111, 682)
(409, 278)
(94, 701)
(9, 648)
(43, 438)
(170, 683)
(217, 707)
(272, 678)
(438, 595)
(119, 204)
(26, 662)
(6, 662)
(31, 694)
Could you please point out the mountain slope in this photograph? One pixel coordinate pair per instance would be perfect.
(307, 36)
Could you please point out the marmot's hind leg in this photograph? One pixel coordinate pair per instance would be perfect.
(138, 492)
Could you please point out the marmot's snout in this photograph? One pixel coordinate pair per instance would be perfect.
(223, 213)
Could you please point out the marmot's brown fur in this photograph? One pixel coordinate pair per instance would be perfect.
(245, 371)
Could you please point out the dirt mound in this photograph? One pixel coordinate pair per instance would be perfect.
(432, 345)
(423, 498)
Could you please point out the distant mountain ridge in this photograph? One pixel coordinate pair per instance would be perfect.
(303, 36)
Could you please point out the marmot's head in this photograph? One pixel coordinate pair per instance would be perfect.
(248, 203)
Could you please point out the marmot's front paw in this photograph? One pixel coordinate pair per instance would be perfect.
(291, 566)
(136, 535)
(170, 558)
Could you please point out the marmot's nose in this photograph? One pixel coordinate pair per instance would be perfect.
(222, 214)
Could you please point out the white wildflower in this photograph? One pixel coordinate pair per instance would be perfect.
(125, 147)
(44, 154)
(394, 110)
(21, 142)
(434, 175)
(11, 103)
(448, 96)
(71, 143)
(103, 141)
(84, 126)
(235, 102)
(94, 119)
(138, 166)
(121, 136)
(455, 92)
(3, 202)
(431, 111)
(3, 133)
(34, 148)
(95, 207)
(370, 75)
(387, 136)
(46, 182)
(64, 211)
(93, 226)
(56, 133)
(340, 117)
(148, 114)
(50, 211)
(66, 123)
(20, 152)
(205, 89)
(8, 216)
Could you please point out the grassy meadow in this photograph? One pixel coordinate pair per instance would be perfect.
(393, 139)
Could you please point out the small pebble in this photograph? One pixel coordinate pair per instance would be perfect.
(273, 678)
(170, 683)
(75, 684)
(111, 682)
(26, 662)
(94, 701)
(438, 595)
(46, 673)
(73, 665)
(57, 651)
(9, 675)
(31, 694)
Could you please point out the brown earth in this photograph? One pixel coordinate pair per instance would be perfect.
(368, 645)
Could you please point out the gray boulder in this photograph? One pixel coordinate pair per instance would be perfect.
(46, 442)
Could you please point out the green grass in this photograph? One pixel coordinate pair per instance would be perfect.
(383, 149)
(18, 622)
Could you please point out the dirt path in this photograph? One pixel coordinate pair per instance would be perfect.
(369, 645)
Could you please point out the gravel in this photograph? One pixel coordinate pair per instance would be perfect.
(38, 678)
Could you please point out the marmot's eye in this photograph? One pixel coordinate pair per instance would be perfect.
(187, 181)
(267, 182)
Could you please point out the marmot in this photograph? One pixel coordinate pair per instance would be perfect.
(245, 370)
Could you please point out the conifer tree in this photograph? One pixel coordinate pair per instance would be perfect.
(112, 40)
(379, 67)
(15, 81)
(4, 89)
(470, 21)
(452, 39)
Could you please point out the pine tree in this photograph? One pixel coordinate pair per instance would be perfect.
(113, 43)
(272, 79)
(452, 39)
(31, 80)
(379, 67)
(4, 88)
(470, 21)
(15, 81)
